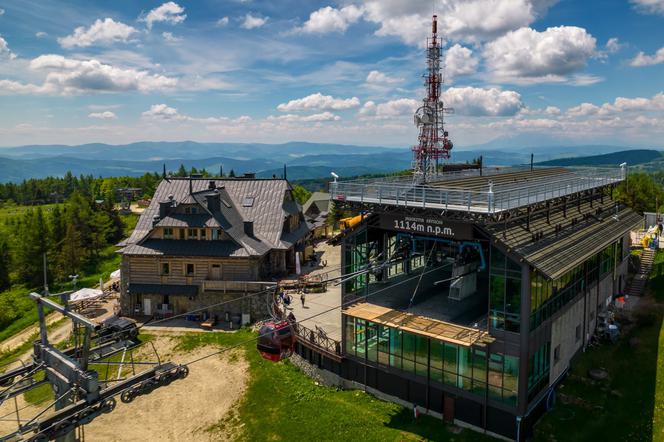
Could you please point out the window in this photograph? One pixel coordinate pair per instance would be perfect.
(168, 233)
(182, 233)
(190, 270)
(192, 233)
(248, 201)
(556, 354)
(194, 210)
(578, 332)
(505, 292)
(165, 268)
(216, 234)
(203, 233)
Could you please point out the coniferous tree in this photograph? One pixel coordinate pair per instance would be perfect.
(5, 282)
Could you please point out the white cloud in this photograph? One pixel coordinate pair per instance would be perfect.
(649, 6)
(319, 101)
(619, 106)
(106, 115)
(529, 56)
(41, 34)
(170, 38)
(252, 21)
(162, 112)
(169, 12)
(642, 59)
(67, 76)
(390, 109)
(222, 22)
(328, 19)
(5, 51)
(105, 31)
(552, 110)
(470, 20)
(324, 116)
(583, 110)
(382, 79)
(459, 61)
(613, 45)
(473, 101)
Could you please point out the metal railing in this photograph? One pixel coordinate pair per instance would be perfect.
(400, 191)
(317, 338)
(236, 286)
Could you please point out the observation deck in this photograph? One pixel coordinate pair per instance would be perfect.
(482, 191)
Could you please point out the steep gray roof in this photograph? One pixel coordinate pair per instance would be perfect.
(319, 199)
(261, 201)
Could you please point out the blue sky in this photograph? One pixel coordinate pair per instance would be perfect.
(581, 72)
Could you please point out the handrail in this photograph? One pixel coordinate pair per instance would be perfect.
(501, 197)
(318, 339)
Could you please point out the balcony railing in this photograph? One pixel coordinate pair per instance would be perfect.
(236, 286)
(319, 340)
(400, 191)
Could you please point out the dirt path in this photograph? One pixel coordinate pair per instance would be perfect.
(184, 409)
(21, 337)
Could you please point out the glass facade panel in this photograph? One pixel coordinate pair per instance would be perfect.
(505, 292)
(440, 362)
(372, 342)
(547, 297)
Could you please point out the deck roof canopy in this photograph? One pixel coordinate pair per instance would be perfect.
(420, 325)
(568, 237)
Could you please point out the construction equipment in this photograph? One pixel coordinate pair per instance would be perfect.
(80, 394)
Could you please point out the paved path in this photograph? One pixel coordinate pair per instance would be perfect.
(319, 303)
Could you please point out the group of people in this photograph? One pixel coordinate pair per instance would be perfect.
(286, 299)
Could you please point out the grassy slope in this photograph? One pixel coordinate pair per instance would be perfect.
(282, 403)
(628, 407)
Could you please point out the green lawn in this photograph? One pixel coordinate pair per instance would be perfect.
(282, 403)
(630, 405)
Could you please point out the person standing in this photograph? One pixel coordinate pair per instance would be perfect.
(302, 298)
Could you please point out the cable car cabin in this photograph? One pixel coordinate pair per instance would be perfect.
(276, 340)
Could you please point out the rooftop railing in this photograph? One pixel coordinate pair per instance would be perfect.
(403, 191)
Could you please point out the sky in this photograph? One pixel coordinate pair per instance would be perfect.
(350, 71)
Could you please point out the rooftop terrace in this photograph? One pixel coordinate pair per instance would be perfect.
(487, 191)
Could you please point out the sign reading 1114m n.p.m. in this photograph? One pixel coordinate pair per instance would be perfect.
(426, 226)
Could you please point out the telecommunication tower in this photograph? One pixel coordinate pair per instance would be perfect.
(434, 143)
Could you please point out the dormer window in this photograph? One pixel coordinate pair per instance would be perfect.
(192, 233)
(194, 210)
(216, 234)
(203, 234)
(168, 233)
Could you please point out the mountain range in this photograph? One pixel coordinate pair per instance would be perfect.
(303, 160)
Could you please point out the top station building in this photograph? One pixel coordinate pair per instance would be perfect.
(472, 289)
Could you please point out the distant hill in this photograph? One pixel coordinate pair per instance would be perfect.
(631, 157)
(304, 160)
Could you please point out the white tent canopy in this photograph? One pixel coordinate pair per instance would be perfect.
(85, 294)
(115, 274)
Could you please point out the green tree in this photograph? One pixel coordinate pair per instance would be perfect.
(5, 263)
(231, 174)
(301, 194)
(181, 171)
(32, 243)
(640, 192)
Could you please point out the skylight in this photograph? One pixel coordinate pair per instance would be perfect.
(248, 201)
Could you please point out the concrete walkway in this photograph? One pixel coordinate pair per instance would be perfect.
(318, 304)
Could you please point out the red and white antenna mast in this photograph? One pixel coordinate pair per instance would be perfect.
(433, 141)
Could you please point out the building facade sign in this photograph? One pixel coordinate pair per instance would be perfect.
(426, 226)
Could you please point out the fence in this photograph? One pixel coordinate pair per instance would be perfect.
(401, 192)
